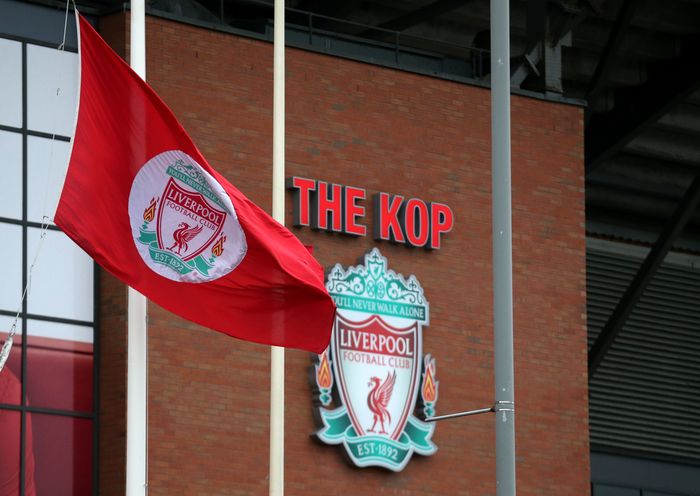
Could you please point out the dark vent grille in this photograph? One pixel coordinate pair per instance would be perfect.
(645, 396)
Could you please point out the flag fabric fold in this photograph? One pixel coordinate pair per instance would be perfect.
(142, 201)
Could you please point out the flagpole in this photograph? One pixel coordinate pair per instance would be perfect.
(137, 333)
(278, 191)
(502, 249)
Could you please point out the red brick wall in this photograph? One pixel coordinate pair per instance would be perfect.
(112, 342)
(392, 131)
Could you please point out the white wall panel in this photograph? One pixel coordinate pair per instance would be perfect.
(52, 82)
(11, 272)
(10, 174)
(47, 163)
(62, 283)
(10, 83)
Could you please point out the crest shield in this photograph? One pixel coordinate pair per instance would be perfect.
(379, 371)
(187, 223)
(371, 355)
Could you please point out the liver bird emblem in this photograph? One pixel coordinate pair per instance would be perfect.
(183, 235)
(378, 400)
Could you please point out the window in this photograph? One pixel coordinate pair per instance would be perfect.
(47, 388)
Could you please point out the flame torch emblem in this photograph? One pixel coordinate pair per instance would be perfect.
(324, 378)
(218, 249)
(429, 391)
(149, 212)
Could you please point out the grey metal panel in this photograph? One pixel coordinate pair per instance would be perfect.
(37, 23)
(651, 477)
(600, 490)
(645, 397)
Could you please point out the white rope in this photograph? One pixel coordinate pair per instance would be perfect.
(45, 219)
(7, 346)
(54, 124)
(65, 27)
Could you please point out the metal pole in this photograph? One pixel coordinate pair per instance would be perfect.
(137, 336)
(277, 353)
(502, 249)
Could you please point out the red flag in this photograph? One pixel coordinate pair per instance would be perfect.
(144, 203)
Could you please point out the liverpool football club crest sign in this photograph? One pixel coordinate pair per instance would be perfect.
(373, 383)
(183, 222)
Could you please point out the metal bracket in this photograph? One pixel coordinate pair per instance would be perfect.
(499, 406)
(460, 414)
(504, 406)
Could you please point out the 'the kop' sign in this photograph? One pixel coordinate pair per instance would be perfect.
(337, 208)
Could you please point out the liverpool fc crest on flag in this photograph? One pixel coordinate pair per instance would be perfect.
(182, 235)
(382, 381)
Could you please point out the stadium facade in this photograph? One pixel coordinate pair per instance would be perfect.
(360, 137)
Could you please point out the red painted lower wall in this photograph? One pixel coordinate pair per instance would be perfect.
(382, 130)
